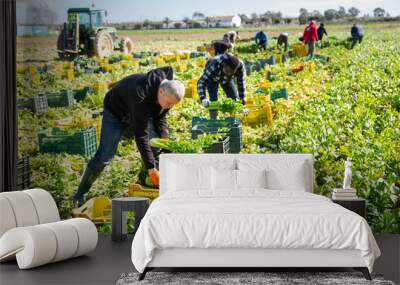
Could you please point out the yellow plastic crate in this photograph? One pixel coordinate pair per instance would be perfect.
(116, 66)
(97, 209)
(68, 65)
(124, 64)
(159, 61)
(21, 69)
(104, 61)
(170, 57)
(265, 85)
(36, 78)
(202, 48)
(299, 49)
(201, 62)
(126, 56)
(182, 67)
(311, 66)
(69, 74)
(259, 115)
(32, 70)
(137, 190)
(100, 86)
(191, 89)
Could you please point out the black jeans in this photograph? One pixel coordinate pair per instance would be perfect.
(112, 130)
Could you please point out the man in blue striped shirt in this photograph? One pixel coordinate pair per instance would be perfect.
(221, 70)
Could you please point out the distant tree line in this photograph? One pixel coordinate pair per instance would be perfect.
(200, 20)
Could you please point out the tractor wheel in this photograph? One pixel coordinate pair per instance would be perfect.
(126, 45)
(103, 44)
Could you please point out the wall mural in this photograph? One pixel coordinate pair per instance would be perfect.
(296, 102)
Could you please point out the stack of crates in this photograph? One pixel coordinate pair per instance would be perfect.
(137, 190)
(23, 173)
(210, 126)
(61, 99)
(281, 93)
(37, 104)
(58, 141)
(299, 49)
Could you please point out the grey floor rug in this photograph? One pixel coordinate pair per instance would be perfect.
(244, 278)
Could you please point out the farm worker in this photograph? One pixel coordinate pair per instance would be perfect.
(220, 47)
(357, 34)
(221, 70)
(137, 105)
(261, 40)
(231, 37)
(321, 32)
(283, 39)
(310, 36)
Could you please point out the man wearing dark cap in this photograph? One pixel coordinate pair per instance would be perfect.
(222, 70)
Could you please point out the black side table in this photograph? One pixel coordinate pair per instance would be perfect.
(356, 205)
(120, 207)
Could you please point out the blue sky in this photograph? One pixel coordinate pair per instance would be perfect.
(134, 10)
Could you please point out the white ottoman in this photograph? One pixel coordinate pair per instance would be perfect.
(31, 230)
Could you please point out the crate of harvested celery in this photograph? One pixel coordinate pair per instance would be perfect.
(54, 140)
(230, 126)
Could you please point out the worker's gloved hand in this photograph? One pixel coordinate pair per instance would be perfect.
(205, 102)
(154, 176)
(243, 100)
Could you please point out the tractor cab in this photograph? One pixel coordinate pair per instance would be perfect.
(86, 32)
(88, 18)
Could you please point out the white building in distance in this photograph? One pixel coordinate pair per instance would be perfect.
(226, 21)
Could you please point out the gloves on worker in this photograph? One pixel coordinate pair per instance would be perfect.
(243, 101)
(205, 102)
(154, 176)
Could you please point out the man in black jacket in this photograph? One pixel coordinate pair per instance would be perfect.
(133, 104)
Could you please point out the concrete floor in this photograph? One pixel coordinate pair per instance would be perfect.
(110, 259)
(103, 266)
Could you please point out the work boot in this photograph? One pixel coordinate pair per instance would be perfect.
(89, 177)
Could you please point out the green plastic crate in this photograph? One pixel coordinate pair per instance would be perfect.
(279, 94)
(219, 147)
(61, 99)
(209, 126)
(81, 94)
(37, 104)
(59, 141)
